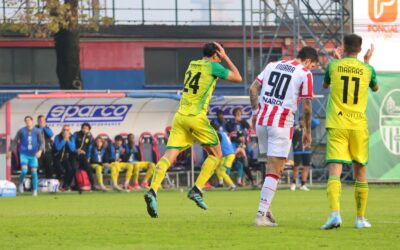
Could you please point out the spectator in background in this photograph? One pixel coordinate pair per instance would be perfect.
(228, 156)
(117, 152)
(64, 150)
(31, 148)
(238, 124)
(132, 157)
(221, 122)
(46, 160)
(242, 163)
(84, 141)
(301, 155)
(99, 160)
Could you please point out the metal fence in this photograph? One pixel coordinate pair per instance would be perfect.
(149, 12)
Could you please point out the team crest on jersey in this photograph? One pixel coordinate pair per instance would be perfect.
(390, 121)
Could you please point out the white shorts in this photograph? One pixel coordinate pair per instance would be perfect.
(274, 141)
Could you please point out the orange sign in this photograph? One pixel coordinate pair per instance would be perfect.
(382, 11)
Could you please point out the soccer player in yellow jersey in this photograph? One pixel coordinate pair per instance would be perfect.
(190, 123)
(347, 126)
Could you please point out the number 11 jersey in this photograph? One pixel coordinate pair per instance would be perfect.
(200, 80)
(349, 80)
(283, 83)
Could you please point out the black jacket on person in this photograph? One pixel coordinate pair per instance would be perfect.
(83, 142)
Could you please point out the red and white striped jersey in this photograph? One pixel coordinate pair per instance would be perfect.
(283, 83)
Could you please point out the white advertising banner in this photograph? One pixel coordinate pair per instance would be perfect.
(378, 22)
(111, 115)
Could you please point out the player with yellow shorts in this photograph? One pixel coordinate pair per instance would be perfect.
(347, 126)
(191, 123)
(117, 152)
(132, 156)
(99, 160)
(228, 156)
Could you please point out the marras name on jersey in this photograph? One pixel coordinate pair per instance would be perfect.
(272, 101)
(351, 70)
(285, 67)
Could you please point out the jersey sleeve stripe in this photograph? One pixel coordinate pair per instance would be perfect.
(301, 89)
(309, 85)
(294, 63)
(282, 119)
(259, 80)
(291, 133)
(261, 120)
(272, 115)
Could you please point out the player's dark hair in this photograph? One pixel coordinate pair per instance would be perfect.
(209, 49)
(28, 117)
(40, 116)
(118, 138)
(86, 124)
(352, 43)
(220, 112)
(129, 137)
(308, 52)
(99, 138)
(235, 110)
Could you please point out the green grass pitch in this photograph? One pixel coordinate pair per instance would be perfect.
(119, 221)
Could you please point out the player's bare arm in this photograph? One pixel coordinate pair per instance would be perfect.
(307, 111)
(234, 74)
(254, 91)
(367, 57)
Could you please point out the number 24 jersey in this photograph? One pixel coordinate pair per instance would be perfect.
(283, 83)
(200, 80)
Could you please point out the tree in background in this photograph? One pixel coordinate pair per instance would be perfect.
(61, 19)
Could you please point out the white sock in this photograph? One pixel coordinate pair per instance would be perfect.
(267, 193)
(335, 213)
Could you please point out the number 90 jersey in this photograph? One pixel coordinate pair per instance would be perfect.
(200, 80)
(283, 83)
(349, 80)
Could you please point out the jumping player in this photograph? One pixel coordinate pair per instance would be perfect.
(190, 123)
(281, 83)
(347, 126)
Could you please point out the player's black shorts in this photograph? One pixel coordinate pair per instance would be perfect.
(302, 159)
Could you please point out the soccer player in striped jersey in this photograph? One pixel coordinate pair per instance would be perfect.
(347, 126)
(190, 122)
(281, 83)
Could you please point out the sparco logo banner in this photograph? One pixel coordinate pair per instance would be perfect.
(228, 110)
(390, 121)
(88, 113)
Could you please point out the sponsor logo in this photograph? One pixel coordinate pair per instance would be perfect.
(382, 11)
(228, 110)
(356, 115)
(92, 113)
(383, 14)
(390, 121)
